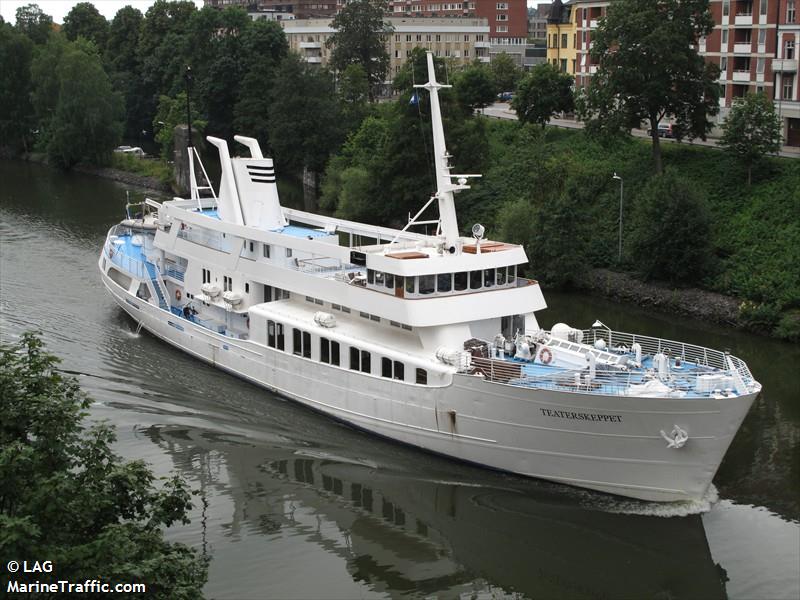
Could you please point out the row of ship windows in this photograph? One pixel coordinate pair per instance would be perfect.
(330, 353)
(363, 315)
(443, 283)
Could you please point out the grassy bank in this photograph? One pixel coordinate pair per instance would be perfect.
(553, 191)
(145, 167)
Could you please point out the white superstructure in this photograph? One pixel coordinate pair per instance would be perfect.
(430, 340)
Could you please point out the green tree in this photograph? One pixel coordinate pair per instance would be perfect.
(506, 73)
(85, 20)
(544, 92)
(16, 111)
(671, 231)
(751, 130)
(474, 87)
(171, 113)
(358, 38)
(68, 497)
(304, 117)
(33, 22)
(124, 67)
(649, 69)
(87, 121)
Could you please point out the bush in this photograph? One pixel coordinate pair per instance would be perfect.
(66, 497)
(671, 238)
(147, 167)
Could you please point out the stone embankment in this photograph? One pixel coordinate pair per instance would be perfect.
(142, 181)
(691, 302)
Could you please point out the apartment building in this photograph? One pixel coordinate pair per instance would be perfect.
(460, 39)
(562, 36)
(537, 21)
(754, 42)
(301, 9)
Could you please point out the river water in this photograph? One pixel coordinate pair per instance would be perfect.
(299, 506)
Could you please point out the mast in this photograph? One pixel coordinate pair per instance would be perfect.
(444, 185)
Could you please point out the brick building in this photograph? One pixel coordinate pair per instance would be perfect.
(301, 9)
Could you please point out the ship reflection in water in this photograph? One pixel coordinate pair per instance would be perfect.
(381, 531)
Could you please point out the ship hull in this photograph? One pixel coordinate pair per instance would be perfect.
(611, 444)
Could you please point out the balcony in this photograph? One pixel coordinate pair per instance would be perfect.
(741, 76)
(743, 19)
(482, 44)
(483, 59)
(313, 45)
(314, 59)
(593, 24)
(785, 65)
(742, 48)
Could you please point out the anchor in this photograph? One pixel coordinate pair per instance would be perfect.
(677, 437)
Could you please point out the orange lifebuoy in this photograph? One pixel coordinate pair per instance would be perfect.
(177, 294)
(546, 356)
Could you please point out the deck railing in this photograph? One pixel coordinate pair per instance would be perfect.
(121, 259)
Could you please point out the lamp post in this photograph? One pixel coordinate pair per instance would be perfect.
(621, 192)
(189, 78)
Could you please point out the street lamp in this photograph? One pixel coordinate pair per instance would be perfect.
(621, 191)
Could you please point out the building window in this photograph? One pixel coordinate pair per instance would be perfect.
(265, 250)
(502, 17)
(759, 65)
(763, 7)
(723, 66)
(762, 37)
(788, 87)
(791, 14)
(724, 37)
(788, 50)
(502, 6)
(563, 65)
(726, 7)
(564, 39)
(422, 377)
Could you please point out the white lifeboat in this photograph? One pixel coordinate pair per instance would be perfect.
(210, 289)
(232, 298)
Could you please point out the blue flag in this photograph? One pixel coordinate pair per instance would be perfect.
(414, 99)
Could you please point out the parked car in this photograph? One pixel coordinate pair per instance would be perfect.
(505, 96)
(664, 130)
(134, 150)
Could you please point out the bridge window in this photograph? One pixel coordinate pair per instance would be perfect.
(392, 369)
(488, 278)
(360, 360)
(422, 377)
(460, 281)
(427, 284)
(501, 276)
(475, 280)
(410, 287)
(444, 282)
(301, 343)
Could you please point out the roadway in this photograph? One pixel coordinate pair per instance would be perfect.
(502, 110)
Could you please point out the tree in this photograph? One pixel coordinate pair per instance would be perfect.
(33, 22)
(16, 112)
(171, 113)
(358, 38)
(474, 87)
(122, 63)
(505, 71)
(85, 20)
(87, 121)
(68, 497)
(751, 130)
(649, 69)
(544, 92)
(671, 231)
(304, 117)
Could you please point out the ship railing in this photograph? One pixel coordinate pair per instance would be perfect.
(175, 271)
(618, 341)
(202, 236)
(323, 266)
(606, 382)
(127, 263)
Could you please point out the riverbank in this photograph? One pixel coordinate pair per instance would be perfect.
(126, 177)
(129, 175)
(690, 302)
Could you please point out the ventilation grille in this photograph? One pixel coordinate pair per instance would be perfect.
(261, 174)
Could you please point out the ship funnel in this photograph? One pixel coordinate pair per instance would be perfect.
(256, 187)
(229, 207)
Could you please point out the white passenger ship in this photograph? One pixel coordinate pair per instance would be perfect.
(430, 340)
